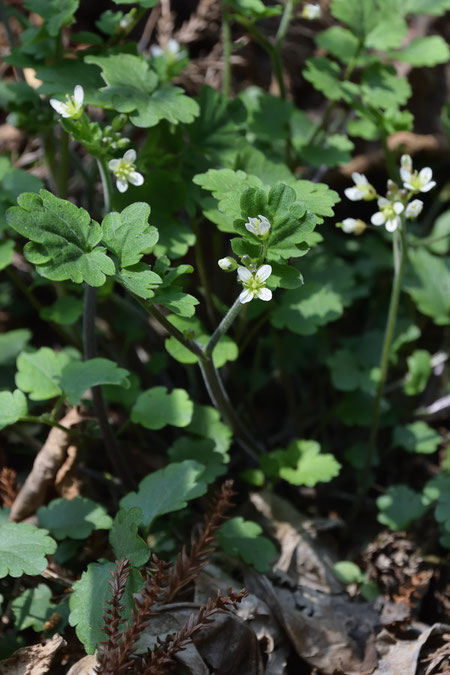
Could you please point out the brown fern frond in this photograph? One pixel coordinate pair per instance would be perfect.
(107, 650)
(191, 561)
(8, 490)
(153, 593)
(161, 659)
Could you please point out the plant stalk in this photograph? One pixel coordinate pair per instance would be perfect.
(223, 327)
(226, 38)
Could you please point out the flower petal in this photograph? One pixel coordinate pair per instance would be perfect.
(122, 185)
(359, 178)
(136, 178)
(264, 294)
(130, 156)
(378, 218)
(251, 228)
(244, 274)
(353, 194)
(382, 202)
(59, 106)
(114, 164)
(391, 225)
(78, 95)
(348, 225)
(263, 272)
(398, 207)
(405, 175)
(245, 296)
(428, 186)
(425, 175)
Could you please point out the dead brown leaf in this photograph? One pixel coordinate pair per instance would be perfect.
(34, 660)
(402, 656)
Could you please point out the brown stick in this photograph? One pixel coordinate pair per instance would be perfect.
(46, 465)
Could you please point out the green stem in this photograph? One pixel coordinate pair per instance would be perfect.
(48, 141)
(202, 272)
(400, 253)
(391, 164)
(223, 327)
(106, 183)
(428, 240)
(170, 328)
(51, 423)
(226, 38)
(63, 174)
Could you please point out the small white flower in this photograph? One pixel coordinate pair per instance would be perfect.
(414, 209)
(406, 163)
(388, 215)
(353, 226)
(125, 171)
(73, 107)
(254, 283)
(418, 182)
(361, 190)
(311, 12)
(171, 49)
(227, 264)
(259, 226)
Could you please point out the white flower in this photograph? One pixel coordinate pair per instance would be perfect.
(405, 163)
(259, 226)
(125, 171)
(73, 107)
(418, 182)
(388, 215)
(414, 209)
(227, 264)
(362, 189)
(254, 283)
(311, 12)
(353, 226)
(171, 49)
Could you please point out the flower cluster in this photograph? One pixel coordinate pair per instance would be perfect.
(252, 276)
(396, 204)
(73, 107)
(311, 12)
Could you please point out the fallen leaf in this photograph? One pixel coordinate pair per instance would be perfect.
(34, 660)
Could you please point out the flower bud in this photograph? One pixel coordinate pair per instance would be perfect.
(227, 264)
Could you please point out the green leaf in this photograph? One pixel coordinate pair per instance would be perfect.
(382, 88)
(336, 150)
(39, 372)
(32, 608)
(301, 463)
(432, 293)
(317, 197)
(140, 281)
(12, 343)
(128, 235)
(64, 236)
(339, 42)
(227, 187)
(441, 231)
(202, 451)
(419, 371)
(361, 16)
(324, 75)
(167, 490)
(131, 87)
(56, 13)
(13, 406)
(424, 51)
(242, 538)
(156, 408)
(61, 79)
(400, 507)
(23, 549)
(109, 21)
(225, 350)
(347, 572)
(254, 9)
(75, 518)
(6, 253)
(89, 598)
(206, 422)
(124, 538)
(79, 376)
(417, 437)
(65, 311)
(345, 371)
(389, 32)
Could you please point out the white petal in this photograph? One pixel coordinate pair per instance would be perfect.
(378, 218)
(353, 194)
(251, 228)
(425, 175)
(428, 186)
(244, 274)
(78, 95)
(391, 225)
(60, 107)
(359, 178)
(409, 186)
(382, 202)
(405, 175)
(114, 164)
(398, 207)
(348, 225)
(135, 178)
(406, 162)
(155, 50)
(122, 185)
(172, 46)
(130, 155)
(263, 272)
(245, 296)
(264, 294)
